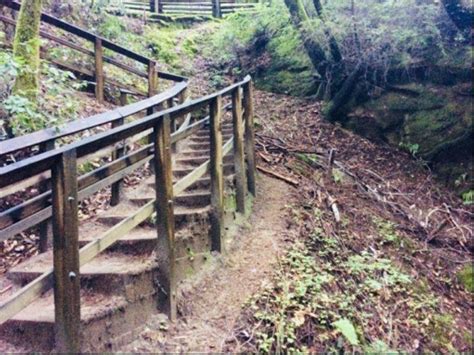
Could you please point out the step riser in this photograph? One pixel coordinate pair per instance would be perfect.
(198, 160)
(228, 169)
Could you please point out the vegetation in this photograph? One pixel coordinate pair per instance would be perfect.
(26, 49)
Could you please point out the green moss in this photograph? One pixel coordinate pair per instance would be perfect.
(466, 277)
(26, 49)
(441, 328)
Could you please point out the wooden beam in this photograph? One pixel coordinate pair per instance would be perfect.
(239, 163)
(67, 307)
(249, 137)
(119, 152)
(45, 228)
(164, 214)
(99, 71)
(152, 78)
(217, 176)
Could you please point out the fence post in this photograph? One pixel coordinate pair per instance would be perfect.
(116, 187)
(67, 308)
(216, 8)
(217, 176)
(164, 213)
(45, 228)
(99, 70)
(152, 78)
(239, 163)
(249, 136)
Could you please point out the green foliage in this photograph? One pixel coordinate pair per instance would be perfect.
(379, 347)
(466, 277)
(468, 197)
(20, 115)
(347, 330)
(387, 230)
(266, 46)
(112, 27)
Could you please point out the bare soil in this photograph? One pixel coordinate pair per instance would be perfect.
(210, 304)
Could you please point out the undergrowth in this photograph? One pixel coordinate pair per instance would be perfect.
(56, 103)
(331, 294)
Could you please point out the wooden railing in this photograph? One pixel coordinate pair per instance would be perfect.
(215, 8)
(97, 76)
(67, 189)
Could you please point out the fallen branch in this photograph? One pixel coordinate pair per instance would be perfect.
(286, 179)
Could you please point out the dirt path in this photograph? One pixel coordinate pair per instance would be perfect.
(210, 307)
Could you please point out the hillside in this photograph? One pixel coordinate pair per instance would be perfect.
(357, 238)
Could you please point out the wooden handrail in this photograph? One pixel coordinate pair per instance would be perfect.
(34, 165)
(15, 144)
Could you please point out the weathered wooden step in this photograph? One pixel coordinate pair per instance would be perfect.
(139, 240)
(107, 321)
(198, 160)
(195, 198)
(182, 172)
(105, 270)
(205, 139)
(194, 153)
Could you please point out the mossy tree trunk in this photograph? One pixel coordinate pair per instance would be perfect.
(26, 49)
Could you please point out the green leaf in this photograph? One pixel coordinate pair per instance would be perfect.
(347, 329)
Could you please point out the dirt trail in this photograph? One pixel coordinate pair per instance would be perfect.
(212, 304)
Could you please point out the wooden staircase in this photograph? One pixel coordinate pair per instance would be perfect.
(118, 287)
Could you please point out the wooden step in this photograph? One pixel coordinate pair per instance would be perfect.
(107, 321)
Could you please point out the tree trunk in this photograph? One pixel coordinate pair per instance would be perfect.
(313, 49)
(26, 49)
(333, 46)
(335, 109)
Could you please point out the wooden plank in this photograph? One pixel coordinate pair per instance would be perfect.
(249, 137)
(99, 71)
(239, 163)
(67, 307)
(165, 215)
(217, 176)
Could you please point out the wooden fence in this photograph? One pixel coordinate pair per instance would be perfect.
(67, 188)
(215, 8)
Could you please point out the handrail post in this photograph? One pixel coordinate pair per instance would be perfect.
(45, 228)
(116, 187)
(165, 214)
(239, 164)
(152, 78)
(99, 70)
(67, 308)
(173, 123)
(217, 176)
(249, 136)
(216, 8)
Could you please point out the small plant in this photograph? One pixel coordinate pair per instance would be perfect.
(468, 197)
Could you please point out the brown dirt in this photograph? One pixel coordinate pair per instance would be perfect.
(210, 304)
